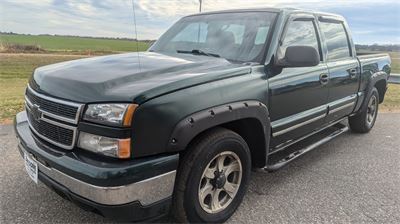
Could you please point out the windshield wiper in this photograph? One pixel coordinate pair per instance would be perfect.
(198, 52)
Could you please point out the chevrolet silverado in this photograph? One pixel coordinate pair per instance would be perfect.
(178, 129)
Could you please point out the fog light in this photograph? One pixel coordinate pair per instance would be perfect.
(118, 148)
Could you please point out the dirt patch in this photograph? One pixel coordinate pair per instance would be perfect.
(20, 48)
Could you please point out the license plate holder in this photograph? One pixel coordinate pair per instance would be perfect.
(31, 167)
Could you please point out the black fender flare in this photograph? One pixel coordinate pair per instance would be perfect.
(191, 126)
(374, 78)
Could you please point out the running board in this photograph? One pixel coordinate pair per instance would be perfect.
(302, 151)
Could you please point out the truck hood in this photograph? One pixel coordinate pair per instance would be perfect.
(130, 77)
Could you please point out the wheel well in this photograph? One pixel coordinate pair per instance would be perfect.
(251, 130)
(381, 87)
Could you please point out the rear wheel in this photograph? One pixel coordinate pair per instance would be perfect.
(212, 178)
(365, 120)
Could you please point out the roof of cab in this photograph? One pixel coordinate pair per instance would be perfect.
(287, 10)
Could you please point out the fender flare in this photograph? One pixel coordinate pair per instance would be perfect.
(191, 126)
(374, 78)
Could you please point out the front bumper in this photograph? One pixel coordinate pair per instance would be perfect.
(125, 190)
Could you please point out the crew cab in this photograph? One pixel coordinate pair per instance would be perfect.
(178, 129)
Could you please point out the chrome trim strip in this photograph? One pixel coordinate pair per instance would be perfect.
(146, 191)
(68, 103)
(343, 100)
(310, 112)
(28, 101)
(298, 116)
(341, 107)
(275, 134)
(74, 129)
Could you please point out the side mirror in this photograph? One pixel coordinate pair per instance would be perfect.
(299, 56)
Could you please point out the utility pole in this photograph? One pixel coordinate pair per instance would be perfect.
(200, 1)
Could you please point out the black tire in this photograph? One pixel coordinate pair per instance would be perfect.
(363, 122)
(201, 153)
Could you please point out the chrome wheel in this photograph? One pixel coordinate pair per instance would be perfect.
(220, 182)
(372, 110)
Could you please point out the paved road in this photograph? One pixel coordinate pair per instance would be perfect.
(354, 178)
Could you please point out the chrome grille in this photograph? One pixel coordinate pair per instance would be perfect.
(51, 119)
(52, 107)
(55, 133)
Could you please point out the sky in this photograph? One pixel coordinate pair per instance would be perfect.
(371, 21)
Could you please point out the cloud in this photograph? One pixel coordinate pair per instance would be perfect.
(114, 18)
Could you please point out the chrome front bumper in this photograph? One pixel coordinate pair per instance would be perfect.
(146, 191)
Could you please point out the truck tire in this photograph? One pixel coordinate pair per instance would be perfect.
(365, 120)
(212, 178)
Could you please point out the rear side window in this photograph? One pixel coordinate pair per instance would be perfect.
(300, 33)
(336, 40)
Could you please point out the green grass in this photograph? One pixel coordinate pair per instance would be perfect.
(15, 70)
(392, 99)
(63, 43)
(395, 56)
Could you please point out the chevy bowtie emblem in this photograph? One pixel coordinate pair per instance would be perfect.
(36, 113)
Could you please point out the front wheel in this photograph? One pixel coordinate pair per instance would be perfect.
(365, 120)
(212, 178)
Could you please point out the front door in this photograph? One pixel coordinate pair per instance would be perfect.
(298, 96)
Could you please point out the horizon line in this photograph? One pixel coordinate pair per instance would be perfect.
(134, 39)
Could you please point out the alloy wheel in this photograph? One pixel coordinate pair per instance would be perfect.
(371, 110)
(220, 182)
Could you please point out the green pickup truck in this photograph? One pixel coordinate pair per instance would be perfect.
(178, 129)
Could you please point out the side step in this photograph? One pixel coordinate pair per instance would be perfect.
(296, 154)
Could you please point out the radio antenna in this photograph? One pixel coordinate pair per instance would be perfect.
(201, 3)
(136, 36)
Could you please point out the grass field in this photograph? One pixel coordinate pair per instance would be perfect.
(15, 70)
(395, 56)
(74, 44)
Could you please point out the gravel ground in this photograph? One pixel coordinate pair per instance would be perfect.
(354, 178)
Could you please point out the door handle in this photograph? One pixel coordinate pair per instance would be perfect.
(324, 78)
(353, 72)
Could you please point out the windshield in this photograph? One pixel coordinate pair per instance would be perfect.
(233, 36)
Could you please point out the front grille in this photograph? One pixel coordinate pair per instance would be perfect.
(52, 132)
(51, 106)
(52, 120)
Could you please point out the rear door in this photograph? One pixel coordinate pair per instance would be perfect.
(343, 66)
(298, 98)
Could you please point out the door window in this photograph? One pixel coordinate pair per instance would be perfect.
(336, 40)
(300, 33)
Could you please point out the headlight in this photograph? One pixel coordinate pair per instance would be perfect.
(110, 114)
(118, 148)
